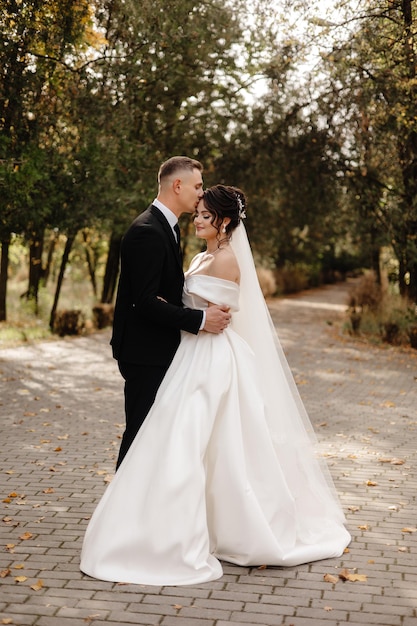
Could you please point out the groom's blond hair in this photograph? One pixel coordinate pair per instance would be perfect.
(176, 164)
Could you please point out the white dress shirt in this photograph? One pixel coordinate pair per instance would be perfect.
(168, 214)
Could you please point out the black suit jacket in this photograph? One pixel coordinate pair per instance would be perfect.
(146, 330)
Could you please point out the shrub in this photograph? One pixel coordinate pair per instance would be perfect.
(366, 293)
(103, 315)
(292, 278)
(69, 322)
(376, 312)
(267, 281)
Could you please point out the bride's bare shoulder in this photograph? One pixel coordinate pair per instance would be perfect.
(224, 265)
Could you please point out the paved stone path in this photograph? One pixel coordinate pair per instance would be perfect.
(61, 418)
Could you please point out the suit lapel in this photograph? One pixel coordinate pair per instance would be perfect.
(168, 231)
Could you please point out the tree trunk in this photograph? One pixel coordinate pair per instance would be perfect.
(35, 267)
(375, 255)
(64, 261)
(112, 269)
(412, 287)
(51, 248)
(90, 261)
(408, 155)
(4, 266)
(401, 277)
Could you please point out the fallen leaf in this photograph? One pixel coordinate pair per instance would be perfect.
(37, 586)
(392, 461)
(19, 566)
(177, 606)
(371, 483)
(364, 527)
(353, 509)
(58, 449)
(345, 574)
(7, 620)
(329, 578)
(262, 567)
(91, 618)
(49, 490)
(328, 608)
(21, 579)
(409, 530)
(5, 572)
(362, 578)
(25, 536)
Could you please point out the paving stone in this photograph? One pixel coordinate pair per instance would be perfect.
(61, 414)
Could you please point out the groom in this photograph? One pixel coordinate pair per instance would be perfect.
(148, 314)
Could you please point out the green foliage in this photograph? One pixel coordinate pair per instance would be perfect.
(371, 106)
(95, 95)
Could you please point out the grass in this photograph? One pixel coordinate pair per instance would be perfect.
(24, 326)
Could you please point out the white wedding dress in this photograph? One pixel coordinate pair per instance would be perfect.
(221, 470)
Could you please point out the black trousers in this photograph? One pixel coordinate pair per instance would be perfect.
(141, 384)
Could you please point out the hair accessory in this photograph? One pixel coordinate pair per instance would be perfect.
(242, 213)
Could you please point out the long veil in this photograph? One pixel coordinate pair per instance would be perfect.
(290, 427)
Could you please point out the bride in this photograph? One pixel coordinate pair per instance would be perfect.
(224, 467)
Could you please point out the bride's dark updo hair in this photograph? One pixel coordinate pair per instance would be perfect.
(224, 201)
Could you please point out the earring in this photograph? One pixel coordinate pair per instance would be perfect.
(224, 229)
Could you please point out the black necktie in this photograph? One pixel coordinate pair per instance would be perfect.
(177, 232)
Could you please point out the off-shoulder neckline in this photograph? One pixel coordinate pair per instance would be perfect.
(223, 280)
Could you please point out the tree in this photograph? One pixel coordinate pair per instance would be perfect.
(36, 40)
(166, 82)
(371, 105)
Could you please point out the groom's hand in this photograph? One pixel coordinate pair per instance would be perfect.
(217, 319)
